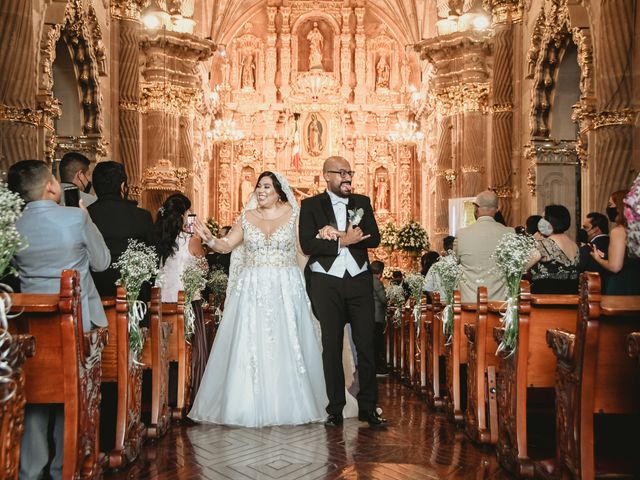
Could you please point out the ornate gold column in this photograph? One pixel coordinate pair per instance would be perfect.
(611, 168)
(505, 14)
(126, 147)
(285, 52)
(270, 57)
(19, 116)
(360, 58)
(345, 53)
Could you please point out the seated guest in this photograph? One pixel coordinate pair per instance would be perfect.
(596, 226)
(556, 258)
(427, 260)
(398, 279)
(220, 260)
(498, 217)
(74, 172)
(624, 269)
(474, 247)
(447, 244)
(380, 318)
(57, 238)
(117, 218)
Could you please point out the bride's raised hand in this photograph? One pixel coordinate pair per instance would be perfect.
(202, 231)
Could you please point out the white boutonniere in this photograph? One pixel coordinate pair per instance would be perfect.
(355, 216)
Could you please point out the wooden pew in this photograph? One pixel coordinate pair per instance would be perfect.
(120, 367)
(66, 368)
(530, 365)
(156, 357)
(633, 345)
(410, 344)
(12, 401)
(455, 355)
(179, 352)
(389, 339)
(420, 379)
(481, 418)
(435, 349)
(594, 376)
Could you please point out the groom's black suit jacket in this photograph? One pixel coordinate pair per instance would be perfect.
(317, 212)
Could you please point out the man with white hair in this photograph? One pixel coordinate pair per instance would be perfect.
(474, 246)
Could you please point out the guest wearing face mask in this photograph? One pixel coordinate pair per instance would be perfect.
(74, 174)
(555, 261)
(623, 279)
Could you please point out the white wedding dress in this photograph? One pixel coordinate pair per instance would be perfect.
(265, 367)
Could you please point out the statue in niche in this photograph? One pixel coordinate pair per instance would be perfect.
(314, 136)
(382, 73)
(316, 45)
(248, 75)
(382, 193)
(246, 186)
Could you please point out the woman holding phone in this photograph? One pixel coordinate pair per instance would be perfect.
(176, 246)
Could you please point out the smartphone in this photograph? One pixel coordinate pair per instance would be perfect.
(72, 196)
(191, 218)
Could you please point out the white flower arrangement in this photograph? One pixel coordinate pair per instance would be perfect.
(449, 272)
(395, 297)
(10, 240)
(355, 216)
(137, 264)
(194, 280)
(415, 281)
(412, 237)
(389, 236)
(511, 256)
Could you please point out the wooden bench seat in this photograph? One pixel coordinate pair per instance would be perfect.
(155, 356)
(180, 353)
(435, 350)
(530, 365)
(455, 355)
(66, 368)
(120, 367)
(12, 403)
(481, 417)
(594, 376)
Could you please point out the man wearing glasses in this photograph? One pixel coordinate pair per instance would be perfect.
(336, 229)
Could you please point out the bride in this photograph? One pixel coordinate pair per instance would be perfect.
(265, 367)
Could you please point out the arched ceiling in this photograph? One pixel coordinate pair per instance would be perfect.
(415, 18)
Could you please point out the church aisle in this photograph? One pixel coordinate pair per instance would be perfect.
(418, 444)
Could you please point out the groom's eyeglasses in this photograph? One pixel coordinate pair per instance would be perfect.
(343, 173)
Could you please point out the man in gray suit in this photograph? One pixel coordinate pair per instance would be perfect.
(474, 246)
(58, 238)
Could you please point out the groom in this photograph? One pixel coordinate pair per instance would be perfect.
(340, 284)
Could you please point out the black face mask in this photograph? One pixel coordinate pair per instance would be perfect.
(87, 187)
(612, 213)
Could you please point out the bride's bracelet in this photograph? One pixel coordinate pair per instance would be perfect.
(211, 243)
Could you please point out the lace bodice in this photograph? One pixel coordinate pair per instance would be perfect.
(275, 250)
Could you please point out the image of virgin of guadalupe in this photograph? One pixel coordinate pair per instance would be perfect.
(314, 131)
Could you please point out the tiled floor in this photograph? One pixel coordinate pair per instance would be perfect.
(418, 444)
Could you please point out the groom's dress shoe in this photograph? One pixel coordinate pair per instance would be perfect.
(333, 420)
(373, 418)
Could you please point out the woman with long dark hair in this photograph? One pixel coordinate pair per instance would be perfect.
(176, 247)
(624, 268)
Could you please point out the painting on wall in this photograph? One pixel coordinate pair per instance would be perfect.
(315, 133)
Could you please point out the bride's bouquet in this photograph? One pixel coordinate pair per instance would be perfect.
(395, 297)
(511, 256)
(194, 280)
(449, 272)
(137, 264)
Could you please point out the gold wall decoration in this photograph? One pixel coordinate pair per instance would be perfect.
(614, 118)
(164, 176)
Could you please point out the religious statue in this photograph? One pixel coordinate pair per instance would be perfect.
(248, 73)
(382, 73)
(314, 136)
(246, 188)
(316, 44)
(382, 190)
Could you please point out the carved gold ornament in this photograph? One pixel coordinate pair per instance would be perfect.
(164, 176)
(614, 118)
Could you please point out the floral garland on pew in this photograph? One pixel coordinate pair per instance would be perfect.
(395, 296)
(10, 242)
(137, 264)
(415, 281)
(511, 256)
(217, 283)
(449, 272)
(194, 280)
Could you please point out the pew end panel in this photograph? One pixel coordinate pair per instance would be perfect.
(455, 354)
(435, 349)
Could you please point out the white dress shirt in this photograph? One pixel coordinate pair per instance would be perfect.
(344, 262)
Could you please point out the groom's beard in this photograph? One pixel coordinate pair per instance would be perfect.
(343, 189)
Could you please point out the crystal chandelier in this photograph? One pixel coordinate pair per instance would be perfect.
(225, 131)
(405, 133)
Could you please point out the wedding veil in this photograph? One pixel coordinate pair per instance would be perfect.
(238, 254)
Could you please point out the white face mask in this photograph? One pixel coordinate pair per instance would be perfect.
(544, 227)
